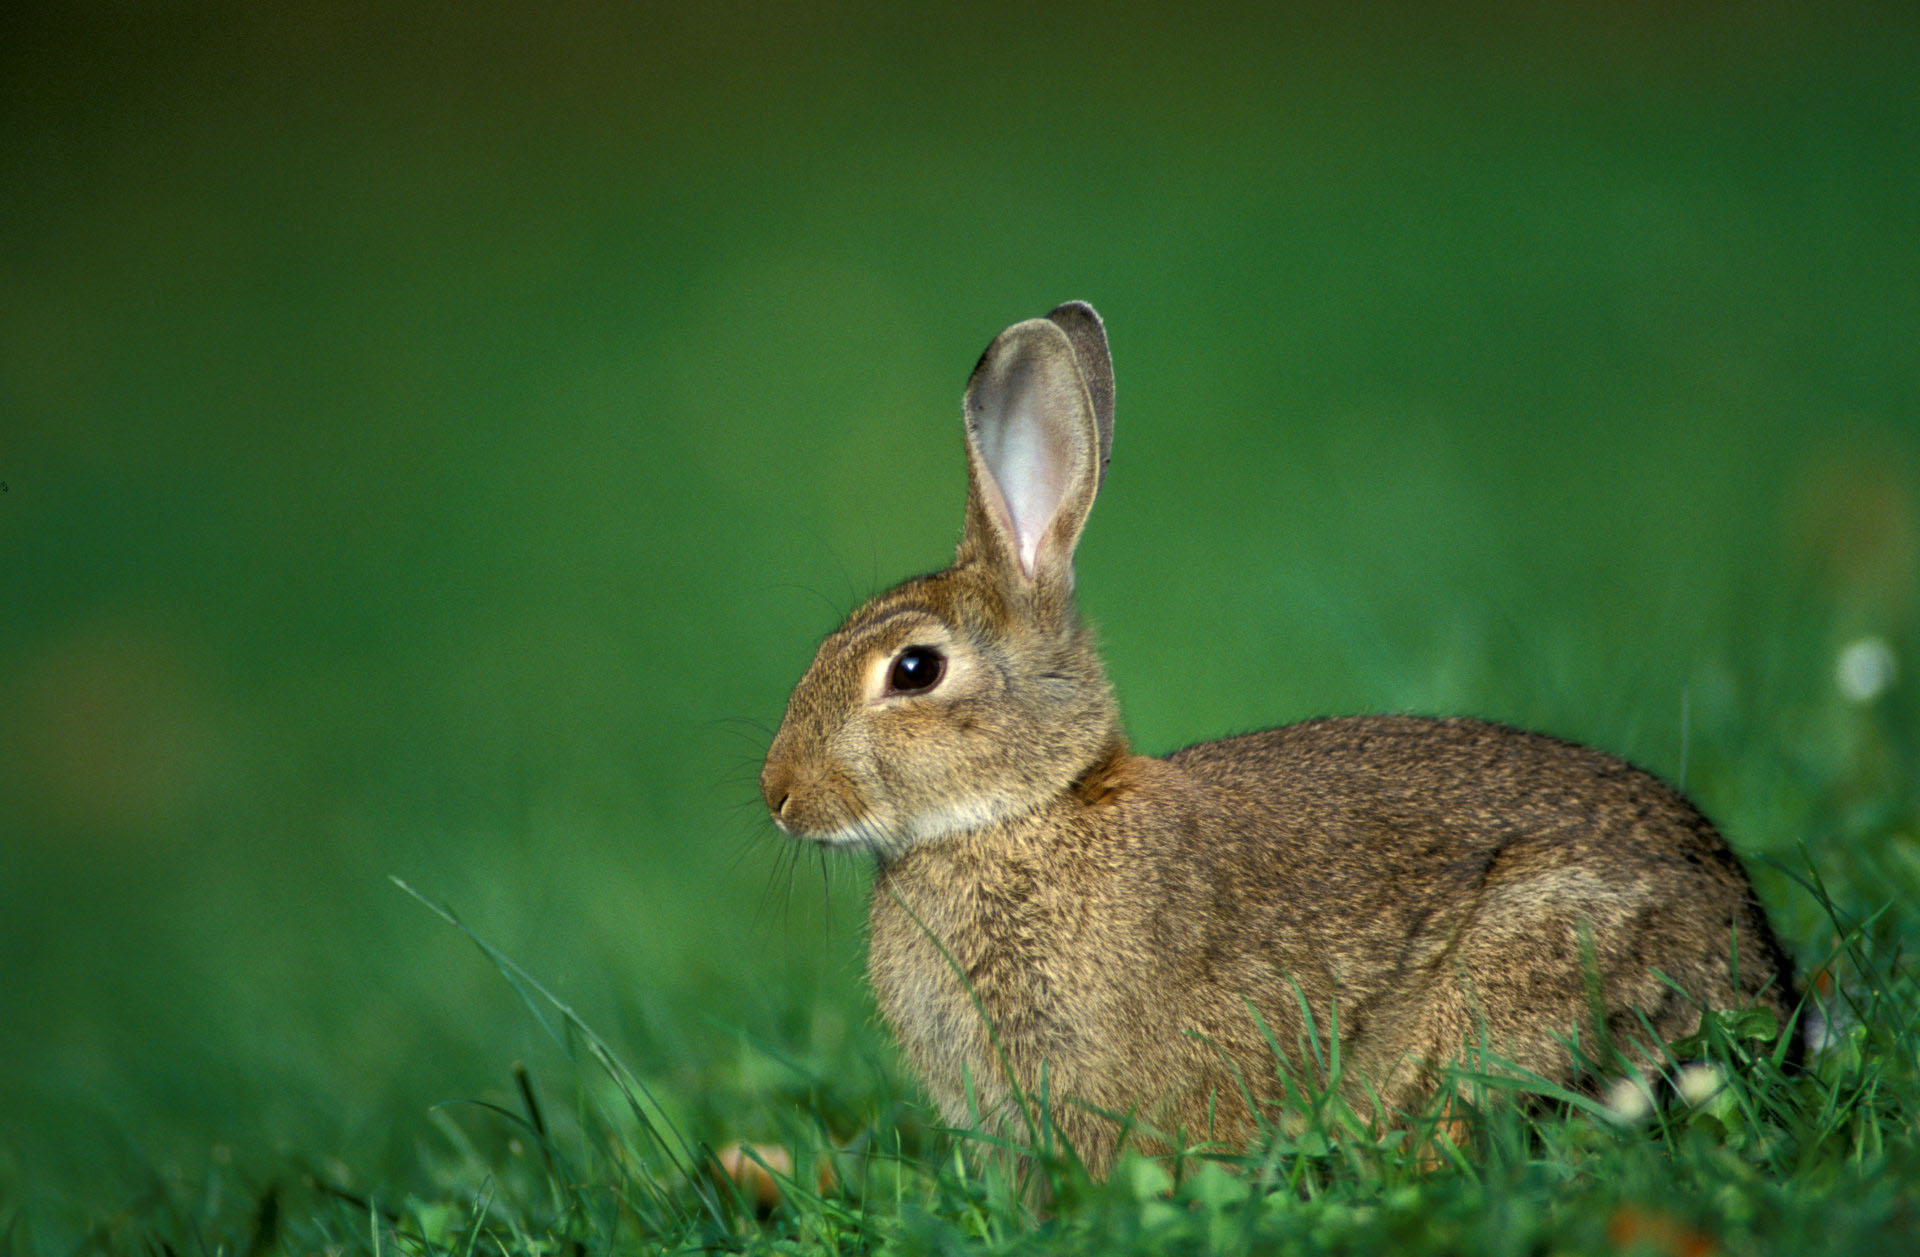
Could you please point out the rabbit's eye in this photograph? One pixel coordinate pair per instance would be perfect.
(916, 670)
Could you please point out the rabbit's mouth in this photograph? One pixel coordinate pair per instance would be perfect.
(864, 834)
(833, 814)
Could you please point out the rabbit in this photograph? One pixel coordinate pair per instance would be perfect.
(1133, 937)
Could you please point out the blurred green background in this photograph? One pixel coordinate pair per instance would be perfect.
(434, 442)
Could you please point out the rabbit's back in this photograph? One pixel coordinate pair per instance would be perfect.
(1444, 876)
(1454, 804)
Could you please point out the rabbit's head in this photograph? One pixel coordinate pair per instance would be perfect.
(972, 695)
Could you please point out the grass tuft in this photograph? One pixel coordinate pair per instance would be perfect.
(1738, 1150)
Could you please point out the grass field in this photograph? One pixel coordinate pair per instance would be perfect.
(433, 446)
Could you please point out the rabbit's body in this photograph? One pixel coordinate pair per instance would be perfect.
(1136, 935)
(1129, 954)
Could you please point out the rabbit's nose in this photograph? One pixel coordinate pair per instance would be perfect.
(776, 787)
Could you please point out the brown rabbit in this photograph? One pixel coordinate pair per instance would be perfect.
(1119, 920)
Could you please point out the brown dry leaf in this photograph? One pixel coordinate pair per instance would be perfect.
(1631, 1227)
(748, 1165)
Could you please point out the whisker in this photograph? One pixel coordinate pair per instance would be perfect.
(759, 737)
(826, 886)
(749, 721)
(785, 857)
(833, 608)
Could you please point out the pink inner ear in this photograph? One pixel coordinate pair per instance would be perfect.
(1030, 469)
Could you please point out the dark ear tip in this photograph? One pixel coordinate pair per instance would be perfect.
(1068, 313)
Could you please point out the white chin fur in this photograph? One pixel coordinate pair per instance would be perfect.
(954, 818)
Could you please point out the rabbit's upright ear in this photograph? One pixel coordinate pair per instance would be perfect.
(1033, 453)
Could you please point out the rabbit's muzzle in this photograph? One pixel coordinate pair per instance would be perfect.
(811, 801)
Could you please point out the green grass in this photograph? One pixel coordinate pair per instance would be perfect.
(433, 444)
(590, 1154)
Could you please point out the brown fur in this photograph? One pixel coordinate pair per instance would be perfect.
(1119, 919)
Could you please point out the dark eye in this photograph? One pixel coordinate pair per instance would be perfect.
(916, 670)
